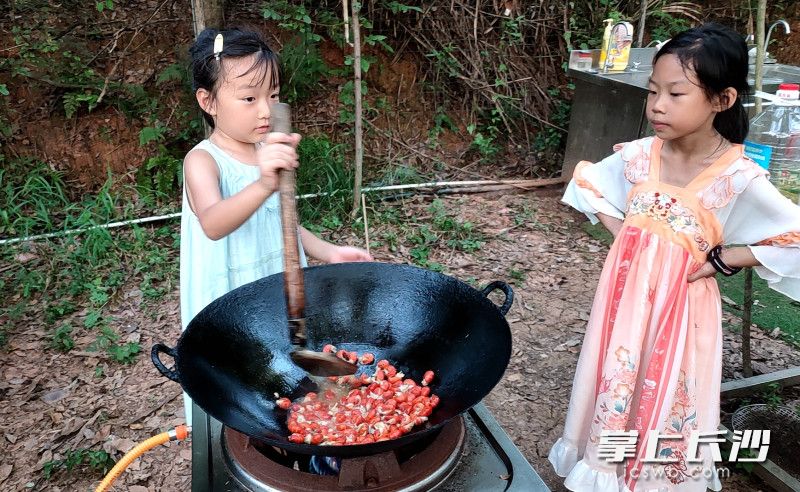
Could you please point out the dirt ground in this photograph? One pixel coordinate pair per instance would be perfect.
(52, 402)
(788, 50)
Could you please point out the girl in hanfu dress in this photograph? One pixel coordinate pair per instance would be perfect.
(677, 203)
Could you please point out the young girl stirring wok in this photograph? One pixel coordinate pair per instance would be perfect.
(676, 203)
(231, 224)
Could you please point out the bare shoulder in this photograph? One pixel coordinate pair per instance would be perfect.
(199, 161)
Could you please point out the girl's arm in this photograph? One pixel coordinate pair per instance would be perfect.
(737, 257)
(768, 224)
(315, 247)
(218, 217)
(330, 253)
(613, 224)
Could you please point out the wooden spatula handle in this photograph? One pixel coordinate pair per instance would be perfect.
(280, 120)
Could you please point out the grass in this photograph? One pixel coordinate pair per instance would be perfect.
(517, 276)
(772, 309)
(323, 171)
(598, 232)
(399, 175)
(421, 236)
(51, 280)
(79, 459)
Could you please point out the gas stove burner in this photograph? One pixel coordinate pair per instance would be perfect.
(420, 465)
(470, 453)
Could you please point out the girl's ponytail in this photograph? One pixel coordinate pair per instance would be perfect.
(733, 123)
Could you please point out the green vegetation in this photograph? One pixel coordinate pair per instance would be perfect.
(421, 235)
(79, 460)
(301, 60)
(517, 276)
(771, 309)
(87, 269)
(550, 140)
(772, 395)
(598, 232)
(324, 172)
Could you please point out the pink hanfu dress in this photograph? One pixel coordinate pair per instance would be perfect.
(652, 354)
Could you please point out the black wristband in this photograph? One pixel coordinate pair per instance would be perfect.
(719, 265)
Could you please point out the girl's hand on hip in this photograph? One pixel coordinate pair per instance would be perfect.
(705, 271)
(738, 257)
(344, 254)
(276, 152)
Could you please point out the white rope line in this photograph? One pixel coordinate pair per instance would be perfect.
(159, 218)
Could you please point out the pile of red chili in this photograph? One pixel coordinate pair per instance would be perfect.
(379, 407)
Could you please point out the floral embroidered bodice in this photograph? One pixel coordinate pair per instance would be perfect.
(684, 215)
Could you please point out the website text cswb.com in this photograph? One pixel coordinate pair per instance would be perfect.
(674, 473)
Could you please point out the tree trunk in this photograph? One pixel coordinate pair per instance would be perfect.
(642, 19)
(207, 13)
(747, 318)
(761, 16)
(359, 149)
(747, 308)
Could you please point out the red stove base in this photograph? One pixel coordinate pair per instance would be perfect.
(415, 467)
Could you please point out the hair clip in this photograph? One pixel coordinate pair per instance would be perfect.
(217, 46)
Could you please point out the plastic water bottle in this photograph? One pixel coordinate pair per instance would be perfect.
(774, 140)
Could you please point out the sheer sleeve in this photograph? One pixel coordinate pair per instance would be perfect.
(603, 187)
(770, 224)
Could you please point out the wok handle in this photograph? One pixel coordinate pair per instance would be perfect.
(507, 290)
(164, 370)
(280, 120)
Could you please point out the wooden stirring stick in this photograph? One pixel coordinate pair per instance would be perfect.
(316, 363)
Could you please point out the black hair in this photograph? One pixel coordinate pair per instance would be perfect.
(207, 70)
(718, 56)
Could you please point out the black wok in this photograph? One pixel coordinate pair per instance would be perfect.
(234, 355)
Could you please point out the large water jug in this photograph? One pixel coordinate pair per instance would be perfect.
(774, 140)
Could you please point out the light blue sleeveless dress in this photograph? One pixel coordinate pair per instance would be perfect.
(210, 269)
